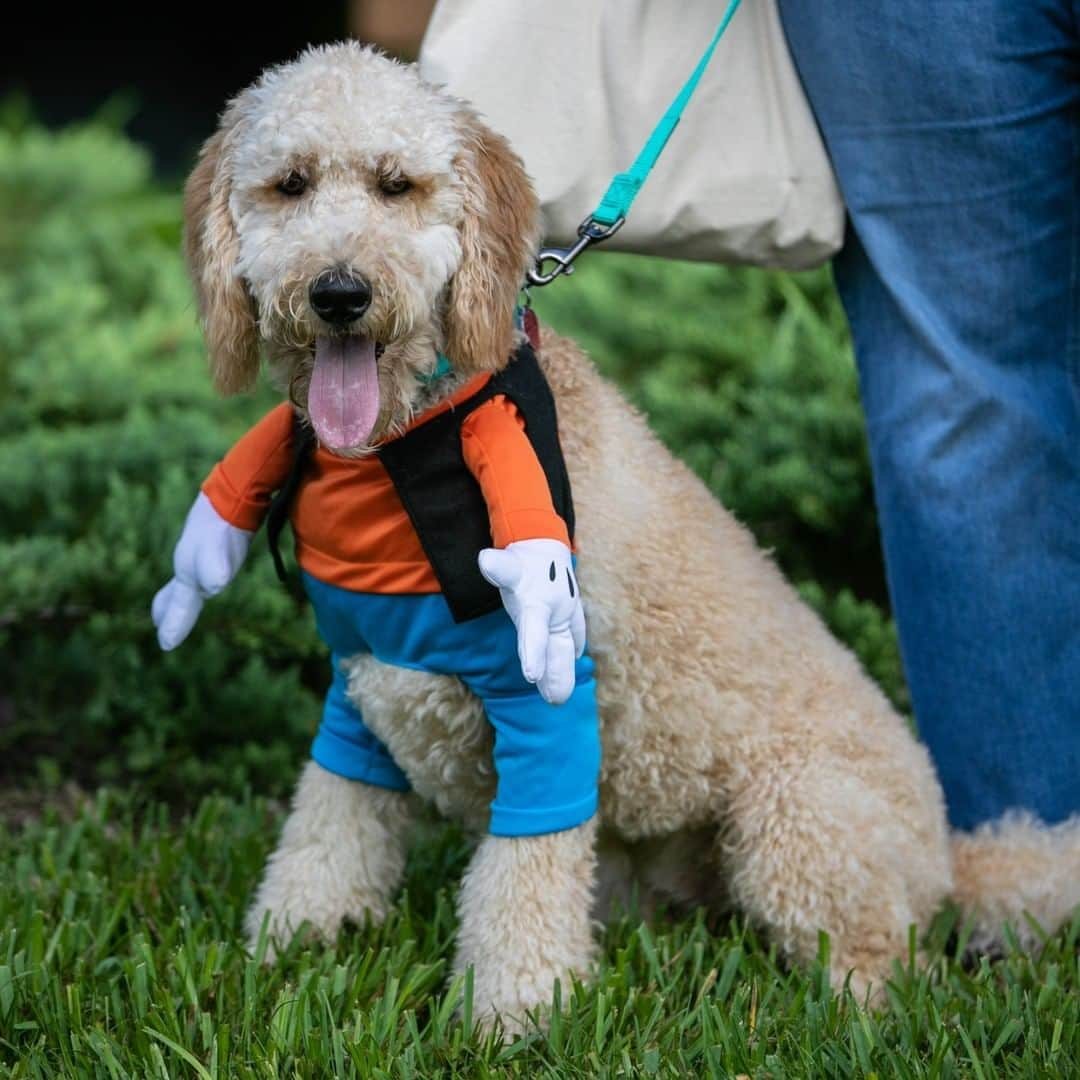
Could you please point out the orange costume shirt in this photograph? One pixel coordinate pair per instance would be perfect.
(351, 528)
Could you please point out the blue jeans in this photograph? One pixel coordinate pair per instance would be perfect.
(546, 757)
(954, 128)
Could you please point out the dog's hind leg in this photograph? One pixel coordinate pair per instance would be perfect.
(813, 844)
(341, 856)
(526, 920)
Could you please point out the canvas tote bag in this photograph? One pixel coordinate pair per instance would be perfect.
(578, 85)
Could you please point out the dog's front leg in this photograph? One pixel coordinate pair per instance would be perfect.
(341, 856)
(525, 907)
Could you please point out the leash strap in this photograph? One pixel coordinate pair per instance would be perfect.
(624, 188)
(611, 212)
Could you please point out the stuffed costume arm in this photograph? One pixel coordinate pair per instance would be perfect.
(207, 556)
(536, 581)
(531, 563)
(220, 524)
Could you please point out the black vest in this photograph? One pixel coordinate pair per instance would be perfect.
(440, 495)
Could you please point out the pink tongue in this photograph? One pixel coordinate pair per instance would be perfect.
(343, 398)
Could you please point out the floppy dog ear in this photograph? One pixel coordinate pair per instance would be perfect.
(498, 239)
(212, 246)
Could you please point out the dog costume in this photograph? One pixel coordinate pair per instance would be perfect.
(388, 546)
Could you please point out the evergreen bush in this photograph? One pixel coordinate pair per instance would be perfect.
(108, 424)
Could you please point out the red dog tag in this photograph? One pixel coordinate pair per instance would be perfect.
(531, 326)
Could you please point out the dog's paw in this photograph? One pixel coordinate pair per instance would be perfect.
(516, 987)
(525, 907)
(520, 998)
(267, 936)
(866, 974)
(309, 891)
(340, 858)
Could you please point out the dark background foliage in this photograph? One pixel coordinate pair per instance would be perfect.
(108, 424)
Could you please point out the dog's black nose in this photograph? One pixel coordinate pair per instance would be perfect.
(339, 298)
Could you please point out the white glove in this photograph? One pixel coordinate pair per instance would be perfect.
(207, 557)
(540, 593)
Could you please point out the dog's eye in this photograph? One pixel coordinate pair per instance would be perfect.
(394, 185)
(294, 184)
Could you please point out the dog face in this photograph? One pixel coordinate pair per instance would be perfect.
(351, 220)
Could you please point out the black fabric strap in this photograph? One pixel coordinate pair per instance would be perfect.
(304, 443)
(443, 499)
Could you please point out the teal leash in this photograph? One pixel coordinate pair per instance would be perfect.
(610, 213)
(625, 187)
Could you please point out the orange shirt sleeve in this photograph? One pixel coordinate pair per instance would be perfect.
(498, 453)
(241, 485)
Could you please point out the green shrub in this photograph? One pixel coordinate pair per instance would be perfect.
(748, 377)
(108, 423)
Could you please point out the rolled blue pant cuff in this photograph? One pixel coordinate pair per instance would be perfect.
(508, 821)
(341, 758)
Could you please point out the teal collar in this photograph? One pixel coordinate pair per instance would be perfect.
(442, 363)
(442, 367)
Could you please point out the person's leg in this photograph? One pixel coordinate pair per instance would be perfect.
(954, 132)
(526, 900)
(547, 757)
(341, 853)
(345, 747)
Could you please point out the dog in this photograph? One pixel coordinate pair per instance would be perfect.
(747, 760)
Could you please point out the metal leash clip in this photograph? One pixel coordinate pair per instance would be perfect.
(589, 232)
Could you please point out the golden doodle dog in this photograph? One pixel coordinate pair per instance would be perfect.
(746, 757)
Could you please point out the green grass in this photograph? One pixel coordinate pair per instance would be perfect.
(121, 954)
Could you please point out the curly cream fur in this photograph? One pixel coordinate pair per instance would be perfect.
(725, 704)
(341, 856)
(746, 755)
(525, 908)
(1017, 873)
(212, 247)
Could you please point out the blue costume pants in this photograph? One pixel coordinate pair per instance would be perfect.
(954, 128)
(547, 757)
